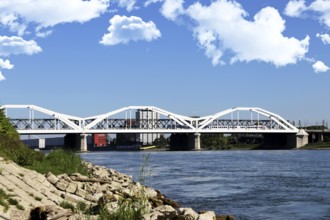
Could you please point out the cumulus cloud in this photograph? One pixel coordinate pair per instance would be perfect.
(123, 29)
(320, 8)
(5, 64)
(324, 37)
(1, 76)
(320, 67)
(222, 29)
(171, 9)
(295, 8)
(149, 2)
(17, 14)
(16, 45)
(128, 4)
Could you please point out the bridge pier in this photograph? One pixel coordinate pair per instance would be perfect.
(83, 142)
(189, 141)
(197, 141)
(301, 138)
(285, 141)
(76, 141)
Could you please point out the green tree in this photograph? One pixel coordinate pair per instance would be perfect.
(215, 141)
(161, 142)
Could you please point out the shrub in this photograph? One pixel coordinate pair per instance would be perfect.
(61, 161)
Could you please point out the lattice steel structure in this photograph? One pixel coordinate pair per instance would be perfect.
(124, 120)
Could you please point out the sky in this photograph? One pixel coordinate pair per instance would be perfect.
(87, 57)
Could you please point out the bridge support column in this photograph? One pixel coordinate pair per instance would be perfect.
(197, 141)
(83, 142)
(301, 138)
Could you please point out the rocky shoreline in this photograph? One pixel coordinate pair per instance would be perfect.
(42, 196)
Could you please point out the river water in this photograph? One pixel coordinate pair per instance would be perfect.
(288, 184)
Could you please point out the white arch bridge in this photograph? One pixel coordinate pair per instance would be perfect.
(32, 119)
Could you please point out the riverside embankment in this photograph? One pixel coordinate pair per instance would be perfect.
(27, 194)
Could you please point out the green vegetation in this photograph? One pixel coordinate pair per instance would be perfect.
(67, 205)
(37, 198)
(135, 207)
(318, 145)
(3, 198)
(128, 208)
(213, 141)
(161, 142)
(6, 201)
(57, 161)
(12, 148)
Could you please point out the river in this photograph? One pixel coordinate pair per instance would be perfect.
(288, 184)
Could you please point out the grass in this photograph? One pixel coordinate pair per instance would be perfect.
(67, 205)
(6, 201)
(318, 145)
(37, 198)
(131, 208)
(59, 162)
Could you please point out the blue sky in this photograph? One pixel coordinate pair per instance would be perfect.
(190, 57)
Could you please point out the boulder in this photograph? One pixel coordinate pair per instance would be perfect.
(209, 215)
(52, 178)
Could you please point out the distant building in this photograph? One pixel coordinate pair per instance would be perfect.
(147, 119)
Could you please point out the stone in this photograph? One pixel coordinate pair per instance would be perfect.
(152, 216)
(115, 185)
(80, 192)
(209, 215)
(62, 184)
(164, 208)
(188, 211)
(52, 178)
(94, 198)
(73, 198)
(72, 187)
(150, 193)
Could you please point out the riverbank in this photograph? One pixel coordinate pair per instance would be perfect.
(26, 194)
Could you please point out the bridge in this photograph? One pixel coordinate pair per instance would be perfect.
(32, 119)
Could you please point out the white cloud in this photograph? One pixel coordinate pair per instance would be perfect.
(128, 4)
(123, 29)
(321, 9)
(171, 9)
(16, 45)
(324, 37)
(221, 29)
(5, 64)
(295, 8)
(149, 2)
(1, 76)
(320, 67)
(10, 20)
(17, 14)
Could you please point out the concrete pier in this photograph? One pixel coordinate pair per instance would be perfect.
(83, 142)
(189, 141)
(285, 141)
(76, 141)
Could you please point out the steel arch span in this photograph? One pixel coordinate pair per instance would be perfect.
(32, 119)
